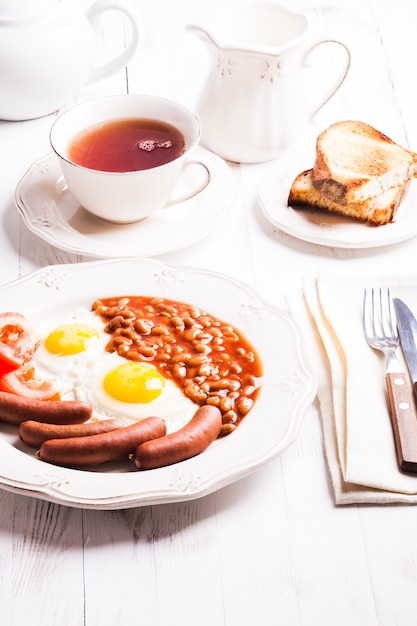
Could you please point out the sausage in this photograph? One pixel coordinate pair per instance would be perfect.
(16, 409)
(203, 428)
(34, 433)
(95, 449)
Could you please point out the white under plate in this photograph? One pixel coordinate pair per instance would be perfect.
(287, 391)
(50, 211)
(329, 229)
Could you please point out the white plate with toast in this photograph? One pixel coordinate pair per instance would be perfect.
(325, 228)
(287, 391)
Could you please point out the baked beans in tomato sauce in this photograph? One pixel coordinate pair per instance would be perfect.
(207, 358)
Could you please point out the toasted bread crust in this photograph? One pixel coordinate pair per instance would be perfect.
(377, 211)
(355, 162)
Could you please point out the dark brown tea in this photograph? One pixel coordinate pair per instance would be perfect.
(127, 145)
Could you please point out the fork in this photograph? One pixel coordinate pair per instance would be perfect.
(380, 331)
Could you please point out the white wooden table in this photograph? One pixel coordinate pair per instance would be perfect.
(271, 548)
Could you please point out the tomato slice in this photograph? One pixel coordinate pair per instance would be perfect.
(5, 367)
(18, 340)
(23, 382)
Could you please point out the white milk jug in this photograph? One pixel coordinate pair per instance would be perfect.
(254, 103)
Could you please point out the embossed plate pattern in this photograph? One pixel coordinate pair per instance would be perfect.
(287, 391)
(51, 212)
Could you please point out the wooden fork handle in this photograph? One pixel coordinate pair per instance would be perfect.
(404, 419)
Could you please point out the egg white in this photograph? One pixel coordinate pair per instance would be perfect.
(172, 405)
(64, 370)
(80, 376)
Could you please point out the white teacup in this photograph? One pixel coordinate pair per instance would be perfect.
(128, 196)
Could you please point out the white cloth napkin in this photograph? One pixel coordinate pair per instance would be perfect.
(357, 429)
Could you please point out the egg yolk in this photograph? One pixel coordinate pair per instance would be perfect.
(134, 383)
(70, 339)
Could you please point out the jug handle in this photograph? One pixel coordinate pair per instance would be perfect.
(338, 82)
(94, 14)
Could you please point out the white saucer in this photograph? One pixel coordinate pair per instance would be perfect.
(329, 229)
(50, 211)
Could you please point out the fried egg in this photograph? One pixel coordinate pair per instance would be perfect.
(70, 338)
(117, 387)
(74, 342)
(73, 353)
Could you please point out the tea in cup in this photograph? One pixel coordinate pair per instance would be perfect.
(122, 156)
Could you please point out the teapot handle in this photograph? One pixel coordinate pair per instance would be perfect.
(94, 15)
(338, 82)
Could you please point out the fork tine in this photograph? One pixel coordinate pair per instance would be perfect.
(392, 319)
(378, 314)
(364, 311)
(368, 312)
(387, 315)
(373, 316)
(381, 313)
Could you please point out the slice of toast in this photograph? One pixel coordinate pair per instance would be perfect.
(356, 162)
(377, 210)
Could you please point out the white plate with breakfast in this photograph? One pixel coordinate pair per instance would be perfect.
(263, 387)
(359, 193)
(51, 212)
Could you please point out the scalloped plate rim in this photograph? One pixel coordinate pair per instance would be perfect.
(195, 477)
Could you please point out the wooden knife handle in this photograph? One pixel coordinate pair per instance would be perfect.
(404, 420)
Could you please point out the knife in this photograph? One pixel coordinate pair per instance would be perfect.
(407, 328)
(406, 436)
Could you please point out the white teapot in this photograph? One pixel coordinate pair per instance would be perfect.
(47, 53)
(255, 102)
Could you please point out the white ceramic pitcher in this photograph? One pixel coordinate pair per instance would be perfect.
(255, 103)
(48, 51)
